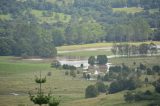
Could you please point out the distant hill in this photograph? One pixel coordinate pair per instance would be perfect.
(68, 22)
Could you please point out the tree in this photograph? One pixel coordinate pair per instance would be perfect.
(58, 37)
(129, 97)
(72, 73)
(142, 66)
(91, 60)
(156, 84)
(146, 80)
(91, 91)
(156, 68)
(153, 48)
(40, 98)
(56, 64)
(88, 76)
(143, 49)
(114, 49)
(101, 87)
(115, 87)
(102, 59)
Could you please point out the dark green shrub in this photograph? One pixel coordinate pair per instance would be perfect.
(101, 87)
(91, 91)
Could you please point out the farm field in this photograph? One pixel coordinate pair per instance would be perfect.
(17, 76)
(79, 53)
(96, 45)
(128, 10)
(86, 53)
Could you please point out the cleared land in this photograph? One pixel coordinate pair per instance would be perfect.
(17, 76)
(5, 17)
(52, 18)
(128, 10)
(86, 53)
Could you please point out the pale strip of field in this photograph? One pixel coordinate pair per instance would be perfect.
(128, 10)
(97, 45)
(5, 17)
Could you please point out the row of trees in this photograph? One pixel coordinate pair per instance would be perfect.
(130, 49)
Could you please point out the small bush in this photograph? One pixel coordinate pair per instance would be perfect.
(66, 72)
(55, 64)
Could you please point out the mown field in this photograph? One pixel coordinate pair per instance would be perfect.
(128, 10)
(86, 53)
(96, 45)
(86, 50)
(17, 76)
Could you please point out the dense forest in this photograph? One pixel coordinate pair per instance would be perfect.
(35, 27)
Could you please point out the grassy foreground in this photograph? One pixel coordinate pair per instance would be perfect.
(17, 76)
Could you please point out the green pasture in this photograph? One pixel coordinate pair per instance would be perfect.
(148, 61)
(128, 10)
(51, 19)
(97, 45)
(5, 17)
(17, 76)
(108, 100)
(86, 53)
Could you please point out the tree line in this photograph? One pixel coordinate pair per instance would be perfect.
(133, 50)
(24, 34)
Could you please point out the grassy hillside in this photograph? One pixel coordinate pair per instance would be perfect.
(54, 17)
(17, 76)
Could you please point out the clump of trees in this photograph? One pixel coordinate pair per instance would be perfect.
(91, 91)
(156, 84)
(152, 97)
(123, 84)
(26, 34)
(100, 60)
(25, 38)
(139, 96)
(68, 67)
(94, 90)
(71, 68)
(86, 76)
(129, 49)
(55, 64)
